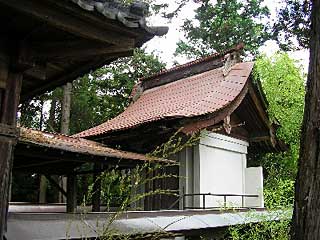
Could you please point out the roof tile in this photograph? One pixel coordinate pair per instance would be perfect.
(192, 96)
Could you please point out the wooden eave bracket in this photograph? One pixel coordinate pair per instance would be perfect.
(227, 125)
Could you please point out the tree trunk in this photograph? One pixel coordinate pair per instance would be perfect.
(65, 109)
(306, 217)
(43, 181)
(96, 196)
(52, 116)
(65, 126)
(51, 127)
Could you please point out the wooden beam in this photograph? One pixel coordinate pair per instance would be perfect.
(73, 73)
(259, 136)
(75, 49)
(258, 105)
(55, 184)
(71, 193)
(42, 163)
(38, 72)
(61, 19)
(181, 73)
(262, 113)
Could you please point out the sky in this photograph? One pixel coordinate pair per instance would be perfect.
(165, 46)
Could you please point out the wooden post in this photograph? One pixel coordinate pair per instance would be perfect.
(65, 126)
(43, 189)
(10, 97)
(96, 196)
(71, 193)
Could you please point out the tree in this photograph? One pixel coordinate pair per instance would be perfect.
(223, 25)
(283, 84)
(105, 93)
(95, 98)
(293, 24)
(306, 217)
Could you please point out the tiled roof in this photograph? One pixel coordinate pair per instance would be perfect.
(195, 62)
(197, 95)
(77, 145)
(132, 16)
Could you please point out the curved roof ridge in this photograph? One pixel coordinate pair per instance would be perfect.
(240, 46)
(196, 95)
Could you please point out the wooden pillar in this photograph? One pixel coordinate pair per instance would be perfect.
(10, 88)
(96, 196)
(65, 126)
(71, 193)
(43, 189)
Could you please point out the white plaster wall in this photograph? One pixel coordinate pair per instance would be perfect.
(222, 161)
(218, 165)
(254, 185)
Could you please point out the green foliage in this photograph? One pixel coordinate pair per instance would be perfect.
(283, 84)
(264, 230)
(96, 97)
(278, 191)
(105, 93)
(223, 25)
(293, 24)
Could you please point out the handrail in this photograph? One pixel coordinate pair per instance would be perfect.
(221, 194)
(216, 195)
(210, 194)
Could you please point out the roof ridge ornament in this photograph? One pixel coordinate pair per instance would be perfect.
(230, 60)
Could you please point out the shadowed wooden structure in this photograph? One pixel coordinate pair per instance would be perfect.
(51, 154)
(46, 43)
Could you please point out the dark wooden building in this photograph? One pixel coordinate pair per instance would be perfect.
(46, 43)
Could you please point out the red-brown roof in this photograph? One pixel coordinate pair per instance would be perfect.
(196, 95)
(77, 145)
(240, 46)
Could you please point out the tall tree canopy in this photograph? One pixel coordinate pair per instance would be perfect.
(293, 24)
(283, 83)
(223, 25)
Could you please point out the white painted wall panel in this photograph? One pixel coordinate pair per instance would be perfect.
(254, 185)
(221, 172)
(218, 165)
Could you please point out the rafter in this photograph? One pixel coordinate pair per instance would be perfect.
(67, 22)
(75, 49)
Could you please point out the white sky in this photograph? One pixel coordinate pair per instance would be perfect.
(165, 46)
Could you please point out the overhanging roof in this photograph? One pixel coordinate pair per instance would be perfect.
(193, 96)
(39, 151)
(198, 95)
(56, 41)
